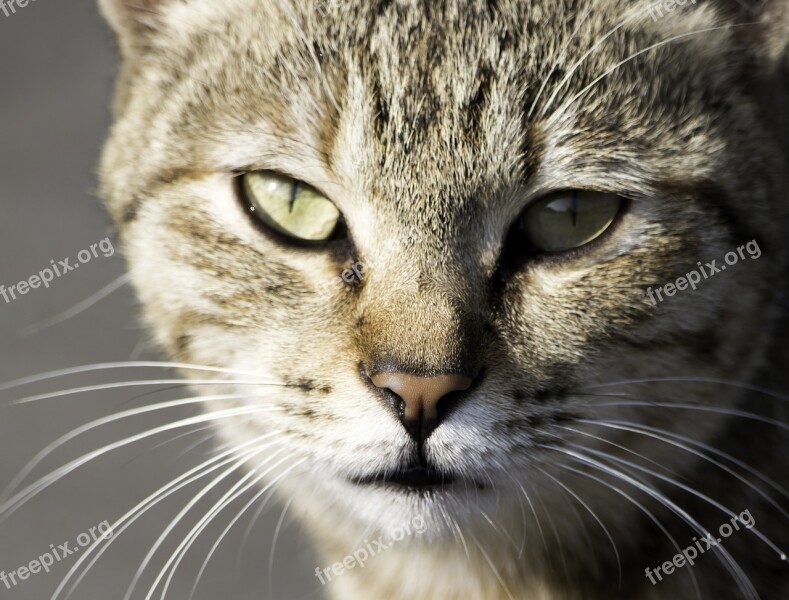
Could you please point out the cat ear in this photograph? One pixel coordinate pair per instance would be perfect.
(765, 28)
(133, 20)
(762, 26)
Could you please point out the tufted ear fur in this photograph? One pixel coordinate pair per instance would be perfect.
(769, 34)
(133, 20)
(763, 34)
(772, 49)
(776, 19)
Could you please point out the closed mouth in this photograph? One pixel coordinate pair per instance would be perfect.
(412, 478)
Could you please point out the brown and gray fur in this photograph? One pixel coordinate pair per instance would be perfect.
(432, 125)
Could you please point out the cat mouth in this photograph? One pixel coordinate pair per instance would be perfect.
(418, 478)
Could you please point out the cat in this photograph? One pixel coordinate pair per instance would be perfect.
(517, 177)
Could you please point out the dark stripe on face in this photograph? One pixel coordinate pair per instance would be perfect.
(131, 211)
(715, 198)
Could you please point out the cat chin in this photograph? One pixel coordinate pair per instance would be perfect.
(373, 510)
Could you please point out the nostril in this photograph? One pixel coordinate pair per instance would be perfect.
(420, 396)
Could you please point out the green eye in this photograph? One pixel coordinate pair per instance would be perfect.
(290, 206)
(570, 219)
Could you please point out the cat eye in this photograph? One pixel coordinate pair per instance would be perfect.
(289, 206)
(567, 220)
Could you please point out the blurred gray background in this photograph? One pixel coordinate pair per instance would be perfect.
(57, 62)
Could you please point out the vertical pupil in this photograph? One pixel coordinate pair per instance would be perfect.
(294, 188)
(574, 208)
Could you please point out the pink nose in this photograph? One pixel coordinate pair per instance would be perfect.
(420, 396)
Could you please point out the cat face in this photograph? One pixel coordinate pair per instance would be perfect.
(433, 129)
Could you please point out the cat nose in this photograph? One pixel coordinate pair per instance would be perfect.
(420, 397)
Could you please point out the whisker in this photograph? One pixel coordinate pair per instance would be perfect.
(238, 464)
(497, 529)
(712, 450)
(139, 364)
(186, 434)
(202, 470)
(275, 538)
(266, 490)
(78, 308)
(594, 516)
(536, 518)
(562, 54)
(555, 533)
(623, 448)
(711, 380)
(624, 426)
(588, 53)
(191, 447)
(572, 99)
(454, 523)
(731, 412)
(581, 525)
(455, 526)
(235, 492)
(9, 507)
(734, 568)
(64, 439)
(492, 566)
(643, 509)
(522, 546)
(172, 439)
(137, 383)
(247, 534)
(781, 554)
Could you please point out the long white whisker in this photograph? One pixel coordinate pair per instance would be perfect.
(635, 428)
(536, 518)
(562, 54)
(137, 383)
(249, 481)
(247, 534)
(699, 407)
(202, 470)
(274, 540)
(643, 509)
(497, 529)
(589, 52)
(712, 380)
(119, 365)
(15, 502)
(492, 566)
(621, 447)
(519, 485)
(64, 439)
(712, 450)
(572, 99)
(734, 568)
(191, 504)
(265, 490)
(193, 446)
(555, 533)
(456, 528)
(523, 518)
(594, 516)
(781, 554)
(78, 308)
(186, 434)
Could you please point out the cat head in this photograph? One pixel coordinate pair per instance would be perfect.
(435, 230)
